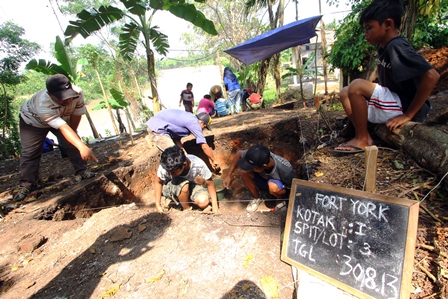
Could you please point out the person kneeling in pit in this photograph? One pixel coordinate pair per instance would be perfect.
(262, 170)
(185, 179)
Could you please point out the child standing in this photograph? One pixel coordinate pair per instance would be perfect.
(184, 178)
(186, 96)
(222, 105)
(406, 79)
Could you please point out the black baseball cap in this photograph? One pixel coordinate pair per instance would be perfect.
(205, 117)
(256, 156)
(60, 86)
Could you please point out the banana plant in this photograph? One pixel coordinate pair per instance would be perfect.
(138, 28)
(64, 67)
(117, 102)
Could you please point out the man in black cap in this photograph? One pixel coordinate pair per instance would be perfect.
(57, 109)
(262, 170)
(167, 127)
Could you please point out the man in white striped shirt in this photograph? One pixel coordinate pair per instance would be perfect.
(58, 109)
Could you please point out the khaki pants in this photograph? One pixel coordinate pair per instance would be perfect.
(161, 141)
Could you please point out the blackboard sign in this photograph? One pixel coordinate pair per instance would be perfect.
(358, 241)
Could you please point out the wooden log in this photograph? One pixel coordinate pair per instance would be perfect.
(427, 145)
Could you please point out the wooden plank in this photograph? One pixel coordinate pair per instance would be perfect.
(360, 242)
(371, 157)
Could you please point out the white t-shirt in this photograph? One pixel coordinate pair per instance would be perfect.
(42, 112)
(198, 167)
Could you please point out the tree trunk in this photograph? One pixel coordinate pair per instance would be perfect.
(276, 58)
(427, 145)
(277, 76)
(92, 126)
(107, 104)
(221, 72)
(300, 71)
(128, 115)
(152, 80)
(324, 54)
(262, 76)
(409, 18)
(120, 122)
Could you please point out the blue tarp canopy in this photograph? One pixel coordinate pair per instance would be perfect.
(276, 40)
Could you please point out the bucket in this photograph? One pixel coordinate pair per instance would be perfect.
(220, 190)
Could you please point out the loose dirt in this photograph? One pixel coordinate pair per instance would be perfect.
(102, 237)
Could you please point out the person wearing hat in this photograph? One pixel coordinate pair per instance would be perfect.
(167, 127)
(57, 109)
(185, 179)
(213, 90)
(262, 170)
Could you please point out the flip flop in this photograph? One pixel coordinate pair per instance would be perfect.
(353, 149)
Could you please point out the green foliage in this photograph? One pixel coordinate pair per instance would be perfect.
(351, 51)
(49, 68)
(10, 143)
(269, 97)
(248, 75)
(90, 22)
(432, 30)
(118, 101)
(14, 50)
(34, 82)
(119, 98)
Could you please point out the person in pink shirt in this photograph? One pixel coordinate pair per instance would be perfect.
(206, 105)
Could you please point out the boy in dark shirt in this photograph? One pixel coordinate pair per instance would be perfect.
(406, 79)
(262, 170)
(187, 98)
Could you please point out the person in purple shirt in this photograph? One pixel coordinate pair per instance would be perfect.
(167, 127)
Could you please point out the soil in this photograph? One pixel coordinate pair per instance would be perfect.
(102, 237)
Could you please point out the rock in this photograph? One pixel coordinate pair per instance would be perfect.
(31, 243)
(141, 227)
(120, 234)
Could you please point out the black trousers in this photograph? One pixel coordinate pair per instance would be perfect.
(32, 140)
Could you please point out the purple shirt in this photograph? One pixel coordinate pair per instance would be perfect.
(176, 123)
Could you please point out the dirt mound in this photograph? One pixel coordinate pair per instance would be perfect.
(438, 59)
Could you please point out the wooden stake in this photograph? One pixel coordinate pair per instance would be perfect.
(371, 157)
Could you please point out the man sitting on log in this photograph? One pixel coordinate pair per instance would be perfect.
(406, 79)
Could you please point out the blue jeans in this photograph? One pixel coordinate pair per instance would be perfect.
(235, 100)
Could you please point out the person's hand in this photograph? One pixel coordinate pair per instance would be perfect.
(199, 180)
(397, 121)
(226, 181)
(179, 104)
(159, 208)
(87, 154)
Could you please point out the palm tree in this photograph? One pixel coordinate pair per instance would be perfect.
(138, 15)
